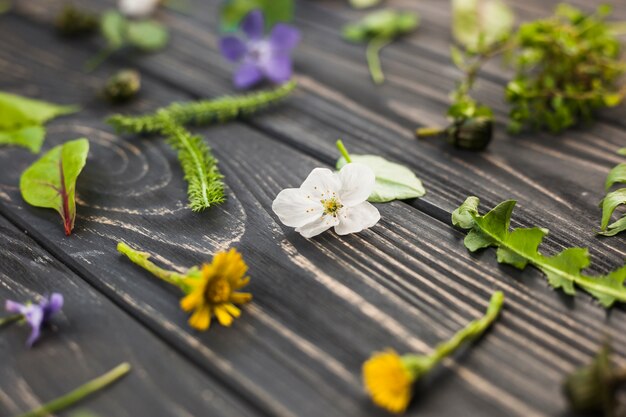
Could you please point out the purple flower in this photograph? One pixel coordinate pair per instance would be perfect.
(36, 315)
(260, 57)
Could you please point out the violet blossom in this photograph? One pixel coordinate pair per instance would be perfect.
(260, 57)
(36, 315)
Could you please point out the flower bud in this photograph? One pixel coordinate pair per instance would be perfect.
(591, 388)
(74, 22)
(122, 86)
(473, 133)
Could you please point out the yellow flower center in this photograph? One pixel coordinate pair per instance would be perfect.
(218, 292)
(331, 206)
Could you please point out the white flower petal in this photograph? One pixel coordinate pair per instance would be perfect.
(357, 183)
(318, 226)
(354, 219)
(137, 8)
(321, 184)
(294, 209)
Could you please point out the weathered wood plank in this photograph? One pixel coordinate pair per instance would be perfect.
(407, 283)
(91, 336)
(337, 101)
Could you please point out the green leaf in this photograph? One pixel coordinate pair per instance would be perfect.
(622, 151)
(50, 182)
(610, 203)
(382, 24)
(18, 111)
(113, 28)
(520, 247)
(274, 11)
(147, 35)
(29, 137)
(616, 175)
(363, 4)
(477, 24)
(393, 181)
(205, 186)
(22, 120)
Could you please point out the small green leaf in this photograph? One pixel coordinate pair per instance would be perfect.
(113, 27)
(457, 57)
(29, 137)
(147, 35)
(610, 203)
(463, 216)
(381, 24)
(274, 11)
(363, 4)
(520, 247)
(622, 151)
(393, 181)
(50, 182)
(616, 175)
(18, 111)
(477, 24)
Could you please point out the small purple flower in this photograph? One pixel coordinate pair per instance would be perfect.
(260, 57)
(36, 315)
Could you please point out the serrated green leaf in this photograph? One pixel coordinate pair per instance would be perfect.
(463, 216)
(274, 11)
(520, 247)
(477, 24)
(29, 137)
(50, 182)
(393, 181)
(147, 35)
(113, 28)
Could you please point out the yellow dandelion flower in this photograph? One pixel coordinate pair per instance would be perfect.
(212, 292)
(388, 381)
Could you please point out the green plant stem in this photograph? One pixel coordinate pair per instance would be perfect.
(472, 331)
(420, 365)
(142, 259)
(344, 151)
(425, 132)
(97, 60)
(5, 321)
(79, 393)
(373, 58)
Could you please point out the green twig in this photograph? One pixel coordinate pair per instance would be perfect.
(97, 60)
(79, 393)
(5, 321)
(344, 151)
(142, 259)
(373, 58)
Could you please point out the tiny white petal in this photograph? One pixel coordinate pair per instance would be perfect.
(318, 226)
(294, 208)
(357, 183)
(137, 8)
(320, 183)
(357, 218)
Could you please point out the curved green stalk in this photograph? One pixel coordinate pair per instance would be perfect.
(142, 259)
(373, 59)
(79, 393)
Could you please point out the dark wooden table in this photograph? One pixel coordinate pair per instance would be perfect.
(321, 306)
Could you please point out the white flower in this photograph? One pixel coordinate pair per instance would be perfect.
(137, 8)
(326, 199)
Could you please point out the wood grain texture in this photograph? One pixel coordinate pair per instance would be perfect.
(557, 179)
(321, 306)
(88, 338)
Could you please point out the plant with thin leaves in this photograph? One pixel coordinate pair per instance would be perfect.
(202, 112)
(205, 187)
(613, 200)
(520, 247)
